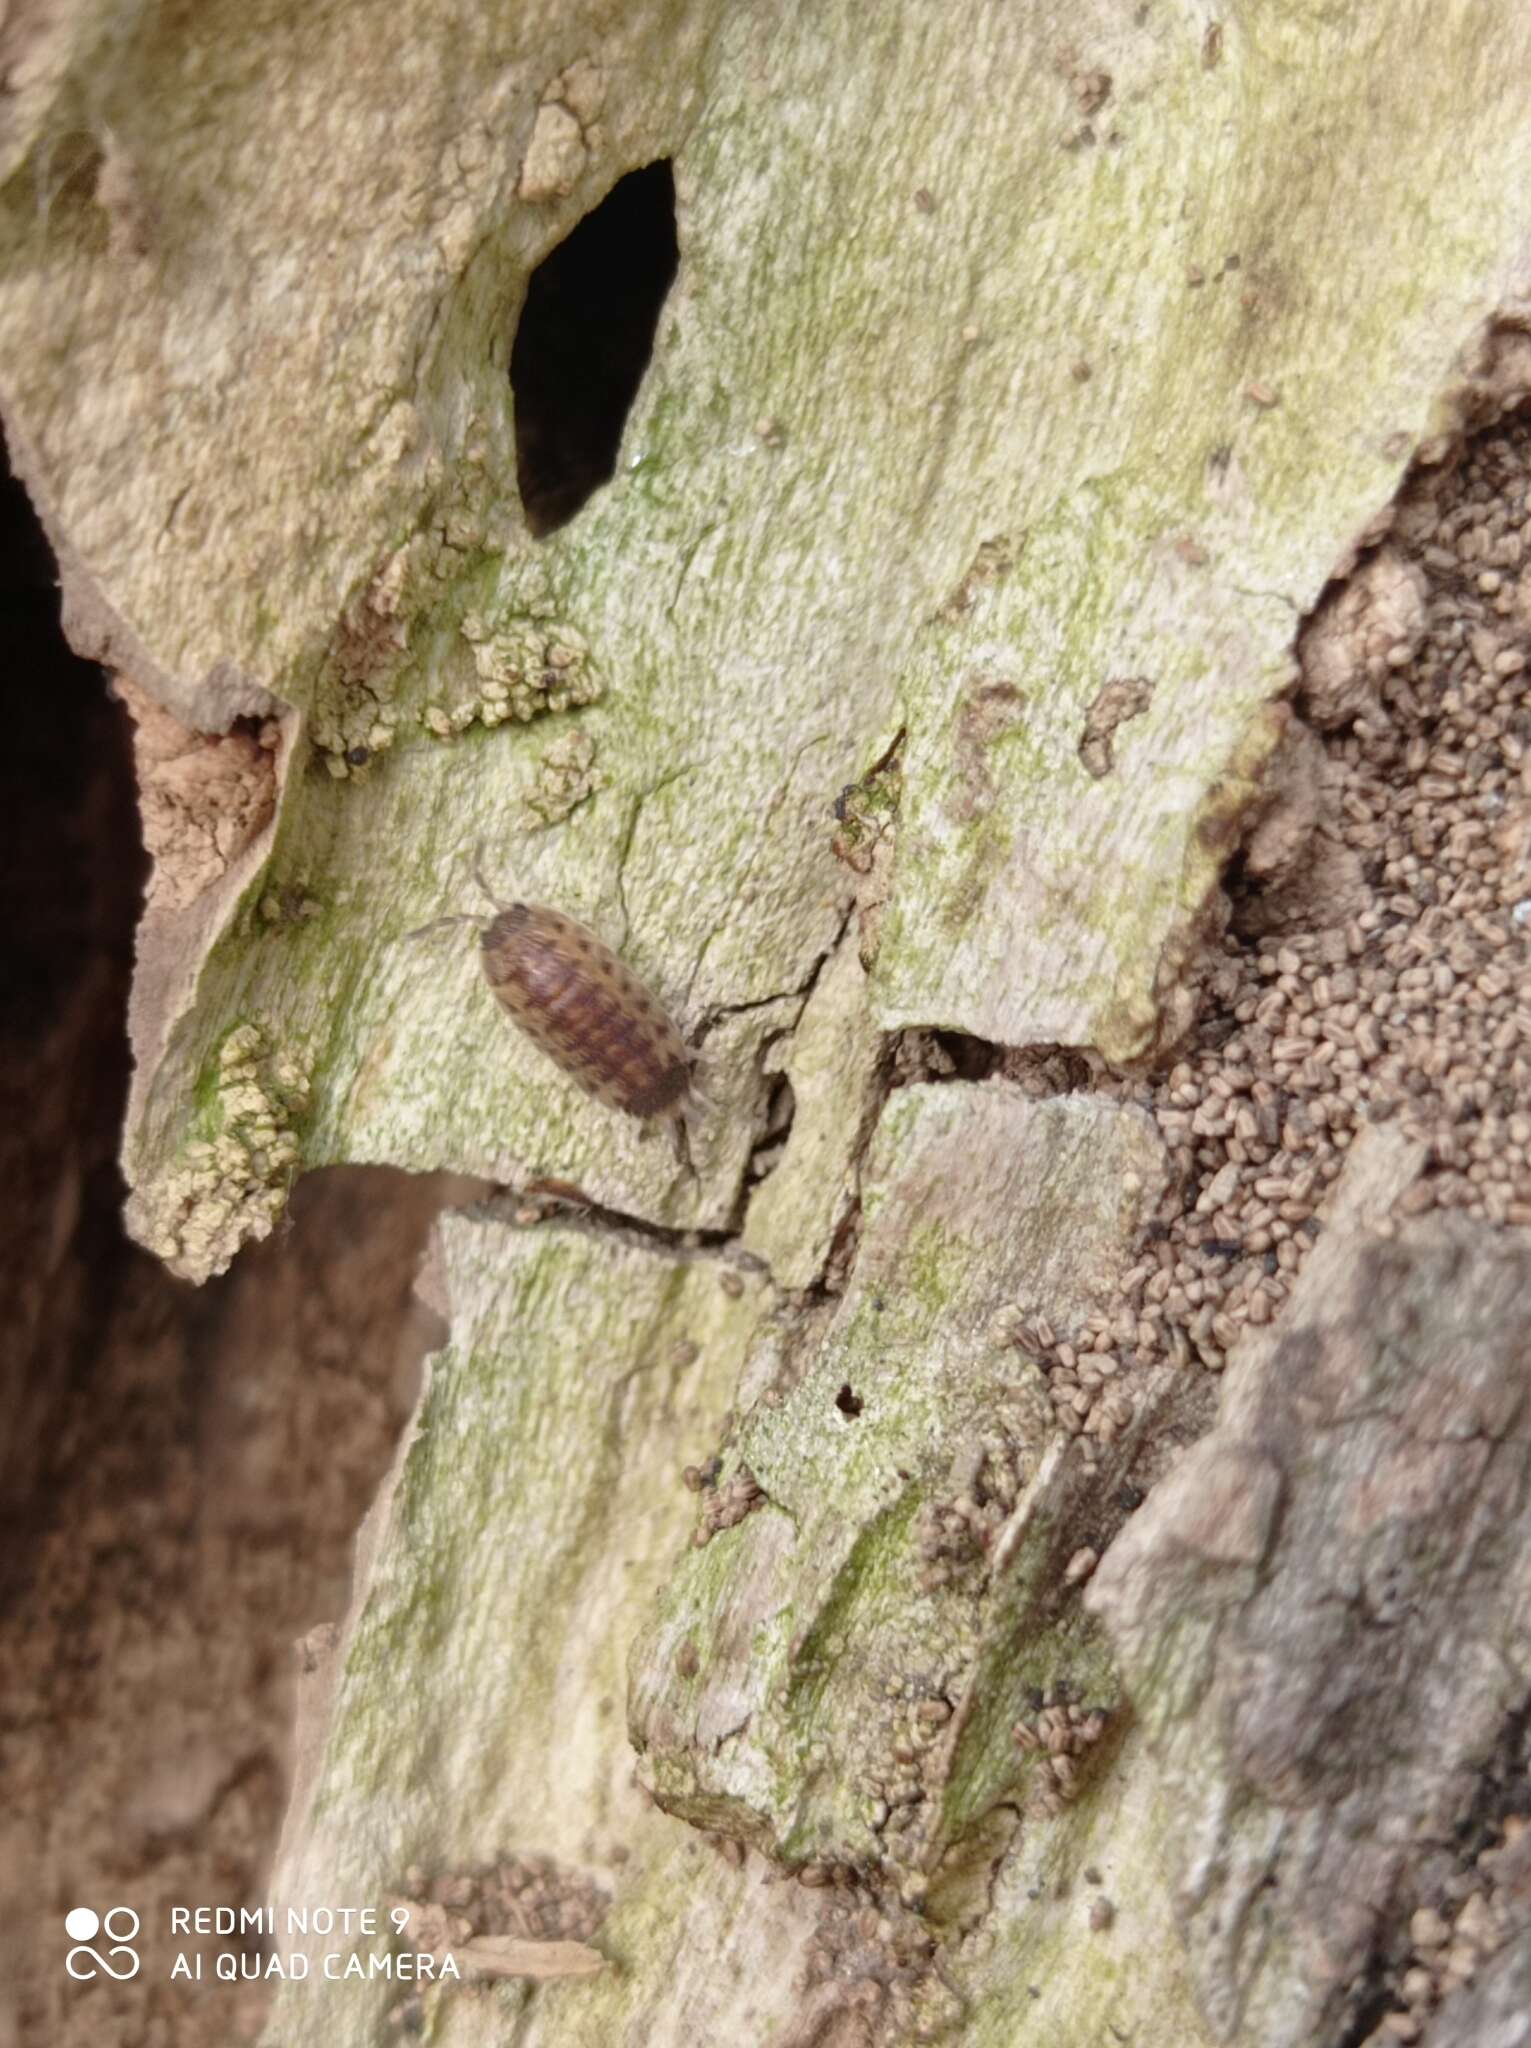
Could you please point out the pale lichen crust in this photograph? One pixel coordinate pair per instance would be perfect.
(232, 1182)
(524, 667)
(566, 777)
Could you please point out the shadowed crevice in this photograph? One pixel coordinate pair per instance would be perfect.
(583, 343)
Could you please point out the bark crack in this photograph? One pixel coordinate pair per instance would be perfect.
(803, 990)
(685, 568)
(759, 849)
(630, 832)
(573, 1210)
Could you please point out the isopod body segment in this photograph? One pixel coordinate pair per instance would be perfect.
(589, 1013)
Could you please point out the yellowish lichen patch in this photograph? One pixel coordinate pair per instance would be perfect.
(231, 1183)
(524, 666)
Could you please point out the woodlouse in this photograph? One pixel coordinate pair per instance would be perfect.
(583, 1007)
(588, 1012)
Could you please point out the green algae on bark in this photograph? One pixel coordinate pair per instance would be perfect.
(1012, 353)
(817, 1634)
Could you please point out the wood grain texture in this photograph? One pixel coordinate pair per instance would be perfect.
(941, 504)
(982, 386)
(1321, 1627)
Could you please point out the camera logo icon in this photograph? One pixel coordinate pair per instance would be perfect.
(120, 1926)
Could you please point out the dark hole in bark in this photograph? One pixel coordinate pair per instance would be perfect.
(772, 1142)
(973, 1059)
(584, 341)
(847, 1402)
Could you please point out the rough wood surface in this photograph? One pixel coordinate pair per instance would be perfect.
(1027, 374)
(1322, 1620)
(294, 377)
(503, 1586)
(816, 1624)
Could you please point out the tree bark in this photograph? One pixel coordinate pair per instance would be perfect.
(896, 708)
